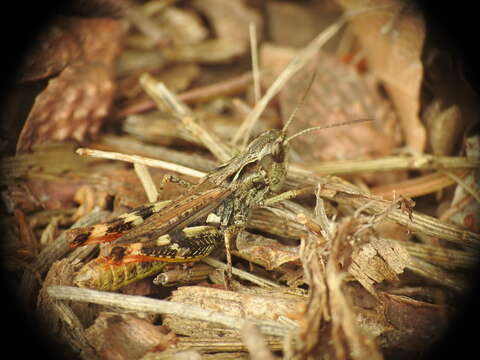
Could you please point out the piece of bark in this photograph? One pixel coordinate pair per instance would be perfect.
(444, 127)
(261, 307)
(338, 94)
(376, 261)
(122, 336)
(266, 252)
(418, 324)
(392, 35)
(74, 104)
(230, 21)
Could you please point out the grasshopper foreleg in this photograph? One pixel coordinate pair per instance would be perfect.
(172, 179)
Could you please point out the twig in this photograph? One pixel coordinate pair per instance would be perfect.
(168, 101)
(255, 64)
(143, 304)
(469, 189)
(141, 160)
(341, 191)
(130, 145)
(446, 258)
(242, 274)
(415, 187)
(389, 163)
(147, 181)
(291, 69)
(229, 87)
(215, 344)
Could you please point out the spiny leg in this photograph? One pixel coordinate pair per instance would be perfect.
(172, 179)
(228, 236)
(287, 195)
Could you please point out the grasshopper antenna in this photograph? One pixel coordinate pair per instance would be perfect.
(300, 103)
(325, 127)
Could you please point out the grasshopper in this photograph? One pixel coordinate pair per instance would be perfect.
(144, 240)
(153, 233)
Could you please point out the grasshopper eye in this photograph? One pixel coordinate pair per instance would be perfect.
(278, 152)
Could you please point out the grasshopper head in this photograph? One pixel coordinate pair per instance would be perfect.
(272, 150)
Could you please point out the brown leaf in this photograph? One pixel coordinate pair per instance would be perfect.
(127, 337)
(295, 24)
(74, 104)
(419, 323)
(68, 40)
(338, 94)
(444, 127)
(393, 38)
(377, 261)
(230, 20)
(71, 107)
(264, 251)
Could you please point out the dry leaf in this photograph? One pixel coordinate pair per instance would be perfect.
(338, 94)
(377, 261)
(123, 336)
(230, 20)
(266, 252)
(392, 35)
(465, 208)
(71, 107)
(292, 24)
(182, 26)
(75, 103)
(444, 127)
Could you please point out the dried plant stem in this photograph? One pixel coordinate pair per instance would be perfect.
(147, 181)
(434, 273)
(416, 222)
(131, 145)
(220, 345)
(146, 25)
(141, 160)
(419, 162)
(297, 63)
(418, 186)
(143, 304)
(242, 274)
(446, 258)
(255, 63)
(469, 189)
(229, 87)
(341, 191)
(167, 101)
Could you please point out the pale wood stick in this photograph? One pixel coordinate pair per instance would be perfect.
(144, 304)
(255, 64)
(418, 162)
(242, 274)
(147, 182)
(141, 160)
